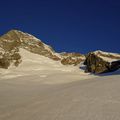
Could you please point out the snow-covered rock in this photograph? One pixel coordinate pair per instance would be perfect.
(100, 62)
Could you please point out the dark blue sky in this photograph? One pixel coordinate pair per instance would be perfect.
(67, 25)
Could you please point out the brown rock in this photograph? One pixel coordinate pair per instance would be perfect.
(96, 64)
(72, 58)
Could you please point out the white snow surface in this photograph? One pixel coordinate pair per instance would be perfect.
(39, 68)
(108, 59)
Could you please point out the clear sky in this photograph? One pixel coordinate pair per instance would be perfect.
(67, 25)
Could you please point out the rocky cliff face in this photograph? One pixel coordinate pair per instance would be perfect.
(100, 62)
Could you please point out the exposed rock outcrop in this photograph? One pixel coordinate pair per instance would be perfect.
(100, 62)
(72, 58)
(9, 57)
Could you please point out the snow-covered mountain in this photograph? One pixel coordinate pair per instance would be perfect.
(15, 41)
(11, 42)
(38, 67)
(37, 83)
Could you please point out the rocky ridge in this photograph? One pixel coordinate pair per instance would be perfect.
(72, 58)
(14, 40)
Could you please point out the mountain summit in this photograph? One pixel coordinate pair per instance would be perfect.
(17, 39)
(12, 41)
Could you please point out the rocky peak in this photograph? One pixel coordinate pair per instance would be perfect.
(17, 39)
(12, 41)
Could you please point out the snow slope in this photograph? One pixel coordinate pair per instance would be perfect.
(37, 90)
(38, 67)
(26, 98)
